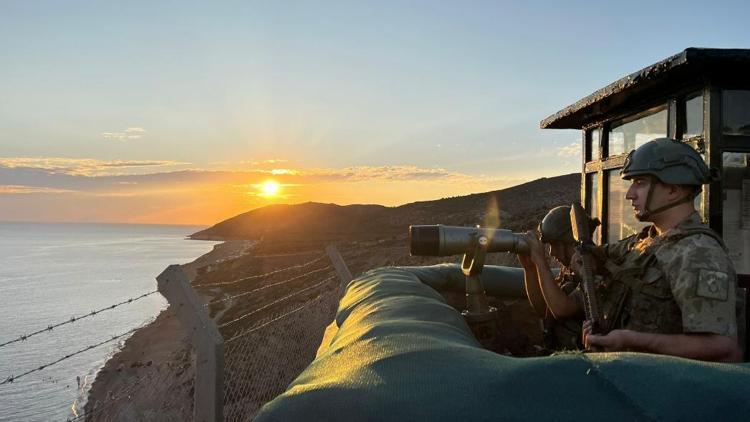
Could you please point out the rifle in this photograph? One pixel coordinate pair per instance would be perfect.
(581, 225)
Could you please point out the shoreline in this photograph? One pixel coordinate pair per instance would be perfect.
(152, 376)
(156, 357)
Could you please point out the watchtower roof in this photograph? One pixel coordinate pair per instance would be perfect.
(689, 67)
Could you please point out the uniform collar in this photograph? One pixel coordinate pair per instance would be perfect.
(649, 235)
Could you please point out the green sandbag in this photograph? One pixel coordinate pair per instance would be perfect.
(498, 281)
(401, 353)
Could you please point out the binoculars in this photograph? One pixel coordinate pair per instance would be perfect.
(440, 240)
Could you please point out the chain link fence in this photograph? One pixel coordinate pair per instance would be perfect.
(265, 328)
(262, 360)
(221, 350)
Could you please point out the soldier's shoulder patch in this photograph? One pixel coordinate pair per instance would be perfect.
(713, 284)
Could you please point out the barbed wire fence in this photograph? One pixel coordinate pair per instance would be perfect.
(257, 350)
(263, 343)
(74, 319)
(259, 346)
(264, 359)
(18, 381)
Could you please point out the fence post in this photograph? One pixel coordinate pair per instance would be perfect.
(208, 398)
(340, 266)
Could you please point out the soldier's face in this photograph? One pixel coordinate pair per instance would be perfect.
(562, 252)
(638, 196)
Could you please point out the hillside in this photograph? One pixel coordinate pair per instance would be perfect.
(518, 207)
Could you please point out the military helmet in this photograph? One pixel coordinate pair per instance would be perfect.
(669, 160)
(555, 226)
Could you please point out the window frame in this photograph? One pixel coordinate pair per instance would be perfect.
(675, 106)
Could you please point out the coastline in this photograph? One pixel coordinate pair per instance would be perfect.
(152, 378)
(155, 358)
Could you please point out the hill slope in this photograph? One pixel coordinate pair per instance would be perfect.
(516, 208)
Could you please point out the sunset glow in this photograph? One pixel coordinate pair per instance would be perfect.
(286, 104)
(270, 189)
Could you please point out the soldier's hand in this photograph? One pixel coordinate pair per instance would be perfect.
(614, 341)
(576, 263)
(585, 332)
(536, 248)
(525, 260)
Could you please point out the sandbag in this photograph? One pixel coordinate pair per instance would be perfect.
(401, 353)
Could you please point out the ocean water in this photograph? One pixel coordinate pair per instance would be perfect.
(52, 272)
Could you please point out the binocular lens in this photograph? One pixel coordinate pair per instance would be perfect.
(424, 240)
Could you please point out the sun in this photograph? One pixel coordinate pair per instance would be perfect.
(269, 188)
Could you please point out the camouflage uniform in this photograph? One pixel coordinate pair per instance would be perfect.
(563, 333)
(679, 282)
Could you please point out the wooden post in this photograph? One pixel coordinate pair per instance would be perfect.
(208, 398)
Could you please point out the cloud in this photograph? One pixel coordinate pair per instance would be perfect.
(352, 173)
(375, 173)
(271, 161)
(94, 172)
(18, 189)
(54, 189)
(390, 174)
(88, 178)
(278, 172)
(125, 135)
(570, 150)
(264, 164)
(82, 166)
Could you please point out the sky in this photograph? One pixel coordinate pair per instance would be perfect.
(181, 112)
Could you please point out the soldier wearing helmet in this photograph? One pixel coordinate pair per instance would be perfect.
(554, 230)
(663, 163)
(669, 289)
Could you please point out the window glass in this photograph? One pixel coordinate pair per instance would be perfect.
(592, 200)
(736, 112)
(693, 116)
(629, 136)
(736, 209)
(595, 142)
(621, 221)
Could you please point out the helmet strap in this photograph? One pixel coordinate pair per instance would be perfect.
(649, 212)
(646, 207)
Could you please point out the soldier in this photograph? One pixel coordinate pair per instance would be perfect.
(669, 289)
(560, 333)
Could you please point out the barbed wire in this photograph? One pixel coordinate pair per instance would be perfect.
(268, 305)
(281, 255)
(284, 315)
(76, 319)
(267, 286)
(13, 378)
(51, 327)
(253, 277)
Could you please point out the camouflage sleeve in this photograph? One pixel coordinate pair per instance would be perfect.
(610, 251)
(703, 283)
(618, 249)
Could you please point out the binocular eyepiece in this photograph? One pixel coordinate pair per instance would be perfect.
(440, 240)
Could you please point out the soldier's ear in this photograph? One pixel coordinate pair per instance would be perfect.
(673, 191)
(679, 192)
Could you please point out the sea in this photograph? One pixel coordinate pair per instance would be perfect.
(50, 273)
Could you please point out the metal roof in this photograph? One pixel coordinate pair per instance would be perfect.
(683, 69)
